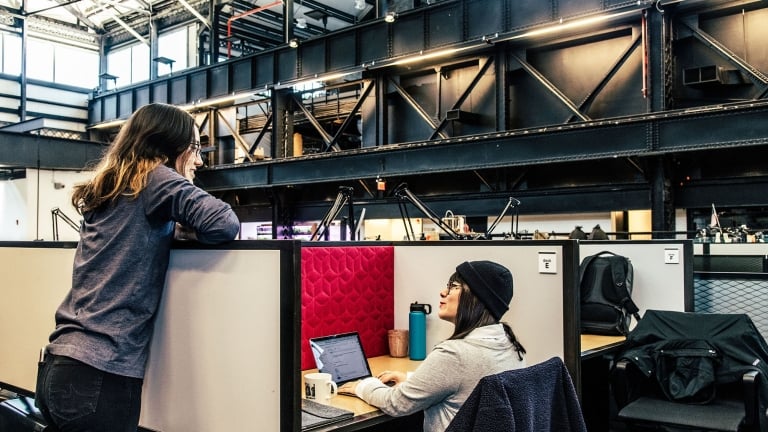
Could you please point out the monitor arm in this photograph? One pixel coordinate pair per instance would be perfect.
(402, 193)
(343, 197)
(512, 202)
(57, 214)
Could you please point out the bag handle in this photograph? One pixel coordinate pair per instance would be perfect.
(619, 280)
(588, 260)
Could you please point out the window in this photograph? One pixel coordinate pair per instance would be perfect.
(129, 64)
(139, 63)
(173, 45)
(40, 59)
(76, 66)
(62, 64)
(11, 61)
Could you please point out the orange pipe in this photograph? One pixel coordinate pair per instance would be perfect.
(246, 13)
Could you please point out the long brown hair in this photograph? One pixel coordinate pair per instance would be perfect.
(471, 313)
(155, 134)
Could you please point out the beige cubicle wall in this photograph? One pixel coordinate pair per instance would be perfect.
(224, 343)
(35, 281)
(542, 312)
(216, 345)
(660, 281)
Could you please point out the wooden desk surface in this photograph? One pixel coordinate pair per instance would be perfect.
(378, 365)
(595, 344)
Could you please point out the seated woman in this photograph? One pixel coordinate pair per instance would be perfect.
(476, 297)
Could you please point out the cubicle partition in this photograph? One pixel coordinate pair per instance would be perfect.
(347, 287)
(663, 271)
(543, 312)
(224, 351)
(733, 278)
(231, 316)
(36, 276)
(371, 286)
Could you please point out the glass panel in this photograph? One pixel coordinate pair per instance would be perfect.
(76, 66)
(11, 54)
(172, 45)
(119, 64)
(139, 63)
(40, 60)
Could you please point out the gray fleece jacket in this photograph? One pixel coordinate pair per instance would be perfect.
(106, 319)
(445, 379)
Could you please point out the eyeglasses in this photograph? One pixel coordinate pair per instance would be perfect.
(195, 146)
(452, 286)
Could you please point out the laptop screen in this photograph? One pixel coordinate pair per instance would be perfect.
(341, 356)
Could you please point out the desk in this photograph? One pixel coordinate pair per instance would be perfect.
(596, 356)
(365, 415)
(594, 345)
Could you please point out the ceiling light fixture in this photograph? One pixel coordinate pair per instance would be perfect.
(359, 4)
(293, 43)
(301, 23)
(390, 17)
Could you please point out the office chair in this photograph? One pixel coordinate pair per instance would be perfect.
(689, 371)
(539, 397)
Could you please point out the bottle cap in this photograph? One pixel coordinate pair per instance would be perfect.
(421, 307)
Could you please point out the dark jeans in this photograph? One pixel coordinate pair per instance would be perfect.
(75, 397)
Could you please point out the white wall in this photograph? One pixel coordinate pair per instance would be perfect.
(389, 229)
(536, 311)
(26, 208)
(559, 223)
(13, 220)
(657, 284)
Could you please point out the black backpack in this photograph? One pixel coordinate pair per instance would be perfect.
(605, 280)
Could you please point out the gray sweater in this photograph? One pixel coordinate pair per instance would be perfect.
(445, 379)
(106, 320)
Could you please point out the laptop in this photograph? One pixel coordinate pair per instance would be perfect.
(342, 356)
(316, 415)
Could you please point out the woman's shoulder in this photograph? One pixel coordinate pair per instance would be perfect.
(163, 172)
(452, 346)
(167, 179)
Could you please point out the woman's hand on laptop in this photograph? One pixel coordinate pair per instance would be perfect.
(391, 377)
(348, 389)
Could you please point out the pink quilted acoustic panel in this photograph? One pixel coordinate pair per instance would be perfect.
(347, 288)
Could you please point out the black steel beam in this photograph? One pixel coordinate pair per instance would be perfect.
(36, 151)
(654, 134)
(357, 39)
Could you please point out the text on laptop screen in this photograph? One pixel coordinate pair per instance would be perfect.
(342, 356)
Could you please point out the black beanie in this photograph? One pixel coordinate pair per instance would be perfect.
(490, 282)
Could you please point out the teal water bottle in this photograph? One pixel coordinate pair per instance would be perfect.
(417, 330)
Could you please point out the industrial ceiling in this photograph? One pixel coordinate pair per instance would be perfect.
(253, 25)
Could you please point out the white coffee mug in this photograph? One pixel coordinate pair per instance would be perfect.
(319, 387)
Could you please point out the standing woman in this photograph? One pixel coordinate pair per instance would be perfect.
(140, 195)
(476, 297)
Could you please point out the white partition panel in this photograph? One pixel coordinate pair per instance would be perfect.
(536, 313)
(35, 281)
(730, 248)
(215, 357)
(216, 353)
(658, 284)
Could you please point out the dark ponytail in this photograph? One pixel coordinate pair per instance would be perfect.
(512, 338)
